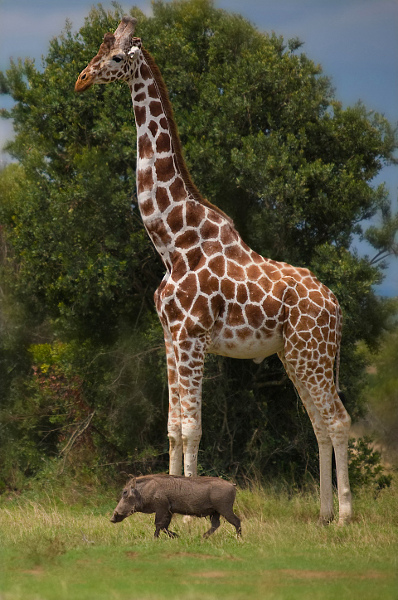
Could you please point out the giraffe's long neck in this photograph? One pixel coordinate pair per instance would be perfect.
(171, 207)
(160, 186)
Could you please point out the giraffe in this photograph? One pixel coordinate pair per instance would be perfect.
(218, 295)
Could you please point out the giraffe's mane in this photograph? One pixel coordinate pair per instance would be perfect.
(175, 138)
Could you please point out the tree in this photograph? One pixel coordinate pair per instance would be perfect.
(381, 392)
(264, 139)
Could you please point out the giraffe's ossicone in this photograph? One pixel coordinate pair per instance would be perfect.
(218, 295)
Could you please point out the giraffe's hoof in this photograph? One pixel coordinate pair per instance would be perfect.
(326, 520)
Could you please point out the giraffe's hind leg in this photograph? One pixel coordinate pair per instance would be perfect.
(324, 444)
(312, 333)
(338, 423)
(335, 421)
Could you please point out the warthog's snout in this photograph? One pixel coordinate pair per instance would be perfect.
(116, 517)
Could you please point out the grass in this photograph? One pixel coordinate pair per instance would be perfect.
(53, 549)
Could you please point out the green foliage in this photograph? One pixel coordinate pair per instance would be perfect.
(254, 425)
(381, 394)
(266, 140)
(365, 467)
(384, 237)
(86, 405)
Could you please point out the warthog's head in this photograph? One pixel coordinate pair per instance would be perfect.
(129, 503)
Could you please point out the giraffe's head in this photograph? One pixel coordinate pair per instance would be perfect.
(115, 58)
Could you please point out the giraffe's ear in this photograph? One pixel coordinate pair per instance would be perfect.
(107, 45)
(133, 51)
(109, 40)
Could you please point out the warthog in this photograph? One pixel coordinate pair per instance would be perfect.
(165, 495)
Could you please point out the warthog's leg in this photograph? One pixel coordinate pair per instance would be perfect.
(215, 524)
(234, 520)
(162, 522)
(171, 534)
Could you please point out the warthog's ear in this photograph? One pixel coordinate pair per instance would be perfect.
(131, 483)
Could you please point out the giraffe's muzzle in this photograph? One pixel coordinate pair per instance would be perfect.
(84, 81)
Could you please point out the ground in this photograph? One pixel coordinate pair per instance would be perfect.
(53, 549)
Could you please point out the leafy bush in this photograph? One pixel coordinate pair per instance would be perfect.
(365, 467)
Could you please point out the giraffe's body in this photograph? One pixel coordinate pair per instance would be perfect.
(218, 295)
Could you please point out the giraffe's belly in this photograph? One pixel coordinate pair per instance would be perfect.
(256, 345)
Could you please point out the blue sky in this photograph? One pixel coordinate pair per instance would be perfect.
(355, 41)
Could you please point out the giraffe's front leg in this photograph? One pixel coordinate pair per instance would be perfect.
(174, 418)
(192, 433)
(190, 354)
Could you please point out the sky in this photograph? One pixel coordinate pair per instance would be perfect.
(355, 41)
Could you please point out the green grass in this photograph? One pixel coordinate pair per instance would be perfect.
(53, 549)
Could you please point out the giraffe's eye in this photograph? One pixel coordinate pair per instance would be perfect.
(117, 59)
